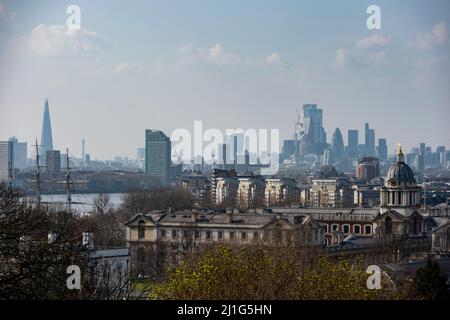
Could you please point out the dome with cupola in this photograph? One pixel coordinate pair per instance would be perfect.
(400, 172)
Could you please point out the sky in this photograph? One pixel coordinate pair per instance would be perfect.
(137, 65)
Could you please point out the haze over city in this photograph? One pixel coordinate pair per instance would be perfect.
(230, 64)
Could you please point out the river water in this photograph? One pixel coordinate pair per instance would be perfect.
(81, 203)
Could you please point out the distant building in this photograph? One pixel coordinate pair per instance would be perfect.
(369, 141)
(46, 137)
(281, 191)
(382, 150)
(215, 175)
(53, 161)
(352, 149)
(441, 237)
(289, 148)
(250, 193)
(314, 138)
(19, 153)
(333, 193)
(366, 196)
(226, 191)
(158, 156)
(6, 160)
(368, 168)
(337, 146)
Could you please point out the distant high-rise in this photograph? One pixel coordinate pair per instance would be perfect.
(83, 151)
(337, 146)
(421, 157)
(19, 153)
(158, 155)
(352, 144)
(382, 150)
(369, 141)
(6, 160)
(289, 147)
(53, 161)
(314, 136)
(46, 137)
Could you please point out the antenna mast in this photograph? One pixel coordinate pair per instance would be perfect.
(10, 169)
(38, 176)
(69, 198)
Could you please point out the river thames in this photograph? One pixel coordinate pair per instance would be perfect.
(81, 203)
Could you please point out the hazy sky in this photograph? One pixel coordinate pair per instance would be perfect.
(232, 64)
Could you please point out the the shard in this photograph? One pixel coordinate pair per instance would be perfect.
(46, 136)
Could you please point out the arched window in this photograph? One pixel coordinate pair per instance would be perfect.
(346, 228)
(368, 229)
(357, 229)
(141, 229)
(388, 225)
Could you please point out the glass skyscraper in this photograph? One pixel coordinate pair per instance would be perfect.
(46, 136)
(158, 156)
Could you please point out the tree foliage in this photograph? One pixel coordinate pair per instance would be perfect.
(430, 283)
(267, 273)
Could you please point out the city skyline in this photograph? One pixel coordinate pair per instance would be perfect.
(395, 79)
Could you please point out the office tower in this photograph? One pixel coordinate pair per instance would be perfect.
(6, 160)
(53, 161)
(337, 146)
(19, 153)
(313, 140)
(88, 159)
(289, 148)
(353, 144)
(369, 141)
(421, 157)
(222, 155)
(326, 161)
(441, 155)
(83, 154)
(237, 139)
(368, 169)
(235, 146)
(46, 137)
(158, 156)
(382, 150)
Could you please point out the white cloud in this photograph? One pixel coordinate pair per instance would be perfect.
(273, 58)
(348, 57)
(60, 41)
(187, 54)
(438, 36)
(126, 68)
(373, 40)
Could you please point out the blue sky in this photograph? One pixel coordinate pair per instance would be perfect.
(232, 64)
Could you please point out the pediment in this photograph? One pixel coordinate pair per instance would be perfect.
(134, 221)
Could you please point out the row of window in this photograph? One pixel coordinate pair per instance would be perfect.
(357, 229)
(208, 235)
